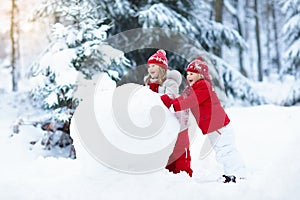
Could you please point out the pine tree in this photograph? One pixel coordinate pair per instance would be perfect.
(236, 86)
(77, 48)
(189, 18)
(291, 31)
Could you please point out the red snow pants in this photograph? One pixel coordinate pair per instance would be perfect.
(180, 159)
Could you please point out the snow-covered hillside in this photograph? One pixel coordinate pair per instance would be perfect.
(267, 137)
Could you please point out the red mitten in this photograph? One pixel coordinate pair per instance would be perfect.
(167, 100)
(176, 105)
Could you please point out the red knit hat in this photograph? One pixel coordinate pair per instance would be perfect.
(198, 66)
(159, 58)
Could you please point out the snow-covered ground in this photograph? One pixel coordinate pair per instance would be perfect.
(267, 137)
(275, 90)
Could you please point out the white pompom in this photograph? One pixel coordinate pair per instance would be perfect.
(162, 52)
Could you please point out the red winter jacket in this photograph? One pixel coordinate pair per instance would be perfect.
(205, 106)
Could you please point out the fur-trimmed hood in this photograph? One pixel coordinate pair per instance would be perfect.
(174, 75)
(171, 85)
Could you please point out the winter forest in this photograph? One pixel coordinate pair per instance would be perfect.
(51, 49)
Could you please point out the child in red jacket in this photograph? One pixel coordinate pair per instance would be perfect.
(211, 118)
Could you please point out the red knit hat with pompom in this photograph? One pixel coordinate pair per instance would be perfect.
(159, 58)
(198, 66)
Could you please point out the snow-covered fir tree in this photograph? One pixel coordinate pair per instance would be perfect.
(291, 32)
(189, 18)
(77, 47)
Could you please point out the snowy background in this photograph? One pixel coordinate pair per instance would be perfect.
(252, 48)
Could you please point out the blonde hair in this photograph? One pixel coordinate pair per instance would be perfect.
(201, 76)
(162, 76)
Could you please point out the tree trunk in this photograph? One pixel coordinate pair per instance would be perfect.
(257, 32)
(240, 19)
(278, 58)
(268, 36)
(246, 36)
(218, 7)
(14, 46)
(211, 13)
